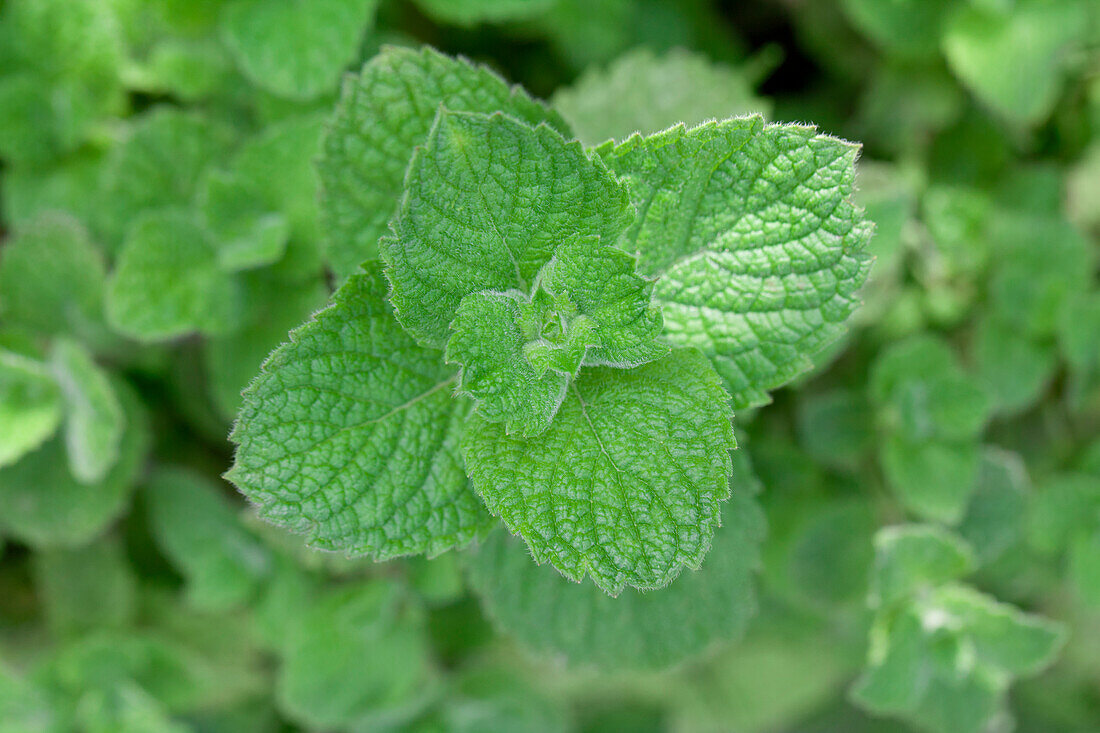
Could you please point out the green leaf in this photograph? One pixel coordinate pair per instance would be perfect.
(349, 435)
(911, 558)
(43, 505)
(202, 534)
(759, 251)
(626, 484)
(1065, 506)
(87, 588)
(52, 277)
(357, 659)
(160, 164)
(247, 234)
(26, 707)
(646, 93)
(94, 420)
(382, 116)
(1034, 33)
(168, 281)
(473, 12)
(1013, 369)
(30, 405)
(487, 201)
(295, 48)
(492, 331)
(124, 708)
(519, 354)
(654, 629)
(903, 27)
(933, 479)
(835, 428)
(1084, 566)
(994, 521)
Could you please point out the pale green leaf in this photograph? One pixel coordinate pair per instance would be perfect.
(52, 277)
(246, 233)
(383, 114)
(201, 533)
(295, 48)
(30, 405)
(159, 164)
(912, 558)
(473, 12)
(487, 201)
(759, 251)
(356, 659)
(552, 616)
(626, 485)
(646, 93)
(43, 505)
(94, 420)
(1034, 34)
(168, 281)
(349, 435)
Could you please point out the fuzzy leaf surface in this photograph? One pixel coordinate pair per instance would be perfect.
(350, 435)
(383, 114)
(488, 199)
(758, 249)
(626, 485)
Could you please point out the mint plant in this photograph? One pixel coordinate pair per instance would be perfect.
(560, 332)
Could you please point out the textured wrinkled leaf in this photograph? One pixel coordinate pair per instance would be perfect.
(349, 435)
(160, 164)
(295, 48)
(909, 558)
(473, 12)
(358, 658)
(552, 616)
(383, 114)
(519, 354)
(168, 281)
(201, 533)
(43, 505)
(246, 233)
(1035, 34)
(52, 277)
(94, 420)
(626, 485)
(759, 251)
(30, 405)
(487, 201)
(645, 92)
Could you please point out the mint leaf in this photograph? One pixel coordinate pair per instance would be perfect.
(52, 277)
(758, 249)
(201, 533)
(645, 92)
(42, 503)
(511, 383)
(295, 48)
(903, 27)
(933, 479)
(349, 435)
(648, 465)
(246, 232)
(1064, 507)
(909, 558)
(1013, 369)
(994, 520)
(26, 707)
(159, 164)
(85, 589)
(30, 405)
(323, 682)
(1036, 34)
(382, 116)
(552, 616)
(168, 281)
(94, 420)
(519, 353)
(487, 201)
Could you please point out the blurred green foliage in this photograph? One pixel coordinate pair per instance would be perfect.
(930, 493)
